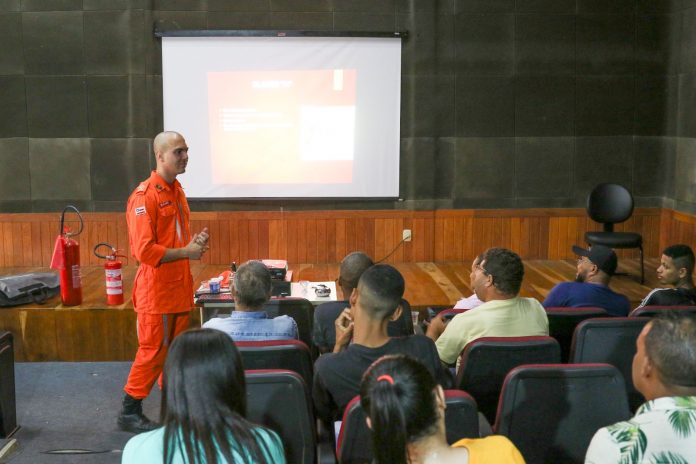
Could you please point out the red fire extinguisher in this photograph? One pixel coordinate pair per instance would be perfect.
(66, 258)
(114, 279)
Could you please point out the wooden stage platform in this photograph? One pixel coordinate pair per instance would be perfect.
(94, 331)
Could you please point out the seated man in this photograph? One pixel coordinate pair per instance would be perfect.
(325, 315)
(496, 281)
(251, 289)
(676, 268)
(591, 287)
(664, 427)
(373, 303)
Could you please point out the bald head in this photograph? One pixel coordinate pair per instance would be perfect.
(171, 154)
(164, 140)
(352, 267)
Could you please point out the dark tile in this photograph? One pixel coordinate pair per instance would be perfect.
(14, 5)
(53, 42)
(118, 106)
(51, 5)
(484, 6)
(15, 206)
(155, 123)
(350, 21)
(688, 42)
(115, 42)
(153, 45)
(685, 207)
(445, 7)
(242, 20)
(550, 203)
(427, 95)
(429, 47)
(604, 6)
(116, 206)
(178, 20)
(240, 5)
(686, 116)
(13, 117)
(602, 159)
(656, 105)
(180, 5)
(658, 6)
(117, 166)
(56, 106)
(484, 203)
(657, 45)
(544, 106)
(56, 206)
(365, 6)
(544, 167)
(426, 168)
(485, 44)
(301, 5)
(653, 166)
(302, 21)
(59, 169)
(485, 106)
(605, 105)
(112, 5)
(605, 44)
(11, 56)
(545, 6)
(545, 44)
(484, 168)
(14, 175)
(685, 182)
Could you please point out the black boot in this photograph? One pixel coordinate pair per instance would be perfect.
(132, 419)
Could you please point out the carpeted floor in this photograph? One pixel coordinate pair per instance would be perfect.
(72, 406)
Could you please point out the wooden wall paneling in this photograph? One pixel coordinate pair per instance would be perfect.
(381, 242)
(341, 238)
(542, 239)
(17, 256)
(310, 241)
(223, 241)
(37, 333)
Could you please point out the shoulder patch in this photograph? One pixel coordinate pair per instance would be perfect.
(142, 188)
(140, 210)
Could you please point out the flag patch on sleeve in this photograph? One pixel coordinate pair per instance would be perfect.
(139, 210)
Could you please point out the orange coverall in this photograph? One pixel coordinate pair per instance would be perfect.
(158, 218)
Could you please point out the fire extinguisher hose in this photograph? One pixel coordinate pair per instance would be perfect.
(62, 221)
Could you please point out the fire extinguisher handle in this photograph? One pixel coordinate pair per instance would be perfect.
(62, 220)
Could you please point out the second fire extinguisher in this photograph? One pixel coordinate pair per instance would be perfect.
(66, 258)
(114, 278)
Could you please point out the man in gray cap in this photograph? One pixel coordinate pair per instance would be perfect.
(591, 287)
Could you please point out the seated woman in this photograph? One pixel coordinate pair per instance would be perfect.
(406, 411)
(203, 409)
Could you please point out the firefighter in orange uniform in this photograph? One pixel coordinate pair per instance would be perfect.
(160, 240)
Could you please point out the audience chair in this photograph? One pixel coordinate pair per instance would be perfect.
(551, 411)
(484, 363)
(8, 408)
(562, 323)
(280, 400)
(610, 340)
(652, 311)
(354, 443)
(299, 309)
(610, 204)
(292, 355)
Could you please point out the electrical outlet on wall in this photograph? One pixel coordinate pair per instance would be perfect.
(406, 235)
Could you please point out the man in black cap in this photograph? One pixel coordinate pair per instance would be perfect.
(591, 286)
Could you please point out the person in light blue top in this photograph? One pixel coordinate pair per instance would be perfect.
(203, 409)
(251, 289)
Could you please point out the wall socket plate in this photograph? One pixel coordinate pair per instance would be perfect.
(406, 235)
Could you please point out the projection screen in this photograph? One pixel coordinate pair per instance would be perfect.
(285, 117)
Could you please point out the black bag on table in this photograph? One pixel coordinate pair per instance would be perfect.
(35, 287)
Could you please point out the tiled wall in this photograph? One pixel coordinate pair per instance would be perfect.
(505, 103)
(684, 183)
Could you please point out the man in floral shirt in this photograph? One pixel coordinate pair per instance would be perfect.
(664, 428)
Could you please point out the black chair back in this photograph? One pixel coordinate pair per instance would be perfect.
(291, 355)
(551, 412)
(562, 323)
(610, 340)
(299, 309)
(8, 406)
(279, 400)
(354, 443)
(652, 311)
(609, 204)
(485, 362)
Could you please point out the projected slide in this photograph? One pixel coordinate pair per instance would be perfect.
(292, 127)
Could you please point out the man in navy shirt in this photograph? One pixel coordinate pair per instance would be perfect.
(591, 286)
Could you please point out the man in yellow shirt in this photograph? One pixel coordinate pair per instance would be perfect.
(496, 280)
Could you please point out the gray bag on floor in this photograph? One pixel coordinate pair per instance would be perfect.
(35, 287)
